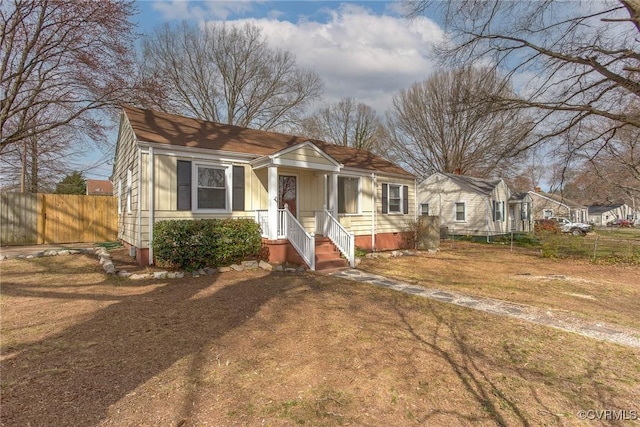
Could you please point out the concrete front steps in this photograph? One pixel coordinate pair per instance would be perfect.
(328, 256)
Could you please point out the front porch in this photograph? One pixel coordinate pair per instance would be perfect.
(302, 202)
(320, 249)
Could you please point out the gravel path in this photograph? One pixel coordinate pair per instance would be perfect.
(551, 318)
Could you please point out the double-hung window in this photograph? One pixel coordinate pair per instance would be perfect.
(460, 212)
(424, 209)
(211, 187)
(498, 211)
(395, 198)
(348, 195)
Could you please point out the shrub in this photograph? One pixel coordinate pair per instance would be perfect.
(194, 244)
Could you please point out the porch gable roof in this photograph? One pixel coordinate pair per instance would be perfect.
(304, 155)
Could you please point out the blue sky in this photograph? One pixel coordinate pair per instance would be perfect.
(366, 50)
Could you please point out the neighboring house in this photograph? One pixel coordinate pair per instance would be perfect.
(521, 212)
(173, 167)
(547, 205)
(473, 206)
(601, 215)
(99, 187)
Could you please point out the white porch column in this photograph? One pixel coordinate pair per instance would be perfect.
(272, 179)
(333, 194)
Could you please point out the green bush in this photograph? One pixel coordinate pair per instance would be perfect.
(194, 244)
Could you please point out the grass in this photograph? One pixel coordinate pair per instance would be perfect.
(258, 348)
(608, 293)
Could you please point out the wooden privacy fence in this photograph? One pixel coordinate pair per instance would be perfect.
(27, 219)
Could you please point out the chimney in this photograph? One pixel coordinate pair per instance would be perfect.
(458, 171)
(538, 189)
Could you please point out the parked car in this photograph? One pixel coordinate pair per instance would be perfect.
(623, 223)
(575, 228)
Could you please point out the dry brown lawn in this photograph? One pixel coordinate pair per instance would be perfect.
(606, 293)
(258, 348)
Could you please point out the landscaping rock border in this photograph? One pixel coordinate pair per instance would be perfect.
(49, 253)
(104, 258)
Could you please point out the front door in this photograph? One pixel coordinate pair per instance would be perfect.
(288, 193)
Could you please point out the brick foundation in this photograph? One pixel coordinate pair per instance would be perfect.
(386, 241)
(281, 251)
(141, 255)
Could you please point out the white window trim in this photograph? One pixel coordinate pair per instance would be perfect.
(359, 200)
(498, 207)
(455, 212)
(544, 213)
(119, 196)
(228, 176)
(296, 175)
(421, 212)
(401, 212)
(129, 189)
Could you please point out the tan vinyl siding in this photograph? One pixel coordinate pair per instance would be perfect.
(258, 196)
(540, 203)
(306, 154)
(165, 182)
(442, 194)
(394, 223)
(127, 159)
(360, 224)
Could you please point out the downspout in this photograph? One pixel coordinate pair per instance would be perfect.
(373, 211)
(487, 216)
(151, 203)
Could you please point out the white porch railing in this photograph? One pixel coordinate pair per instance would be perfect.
(330, 227)
(302, 241)
(262, 218)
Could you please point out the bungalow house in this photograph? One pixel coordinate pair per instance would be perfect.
(173, 167)
(547, 205)
(474, 206)
(601, 215)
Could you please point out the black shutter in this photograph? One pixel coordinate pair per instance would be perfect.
(493, 203)
(405, 199)
(385, 199)
(184, 185)
(238, 188)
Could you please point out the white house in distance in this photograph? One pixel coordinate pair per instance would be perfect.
(547, 205)
(474, 206)
(601, 215)
(302, 192)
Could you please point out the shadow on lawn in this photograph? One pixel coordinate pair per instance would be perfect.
(462, 360)
(73, 377)
(478, 367)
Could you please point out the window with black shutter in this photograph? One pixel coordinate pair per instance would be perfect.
(184, 185)
(238, 188)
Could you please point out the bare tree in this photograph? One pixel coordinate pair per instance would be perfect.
(577, 61)
(347, 122)
(449, 123)
(36, 163)
(607, 172)
(62, 56)
(225, 74)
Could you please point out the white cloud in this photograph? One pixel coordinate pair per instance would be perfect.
(200, 11)
(357, 53)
